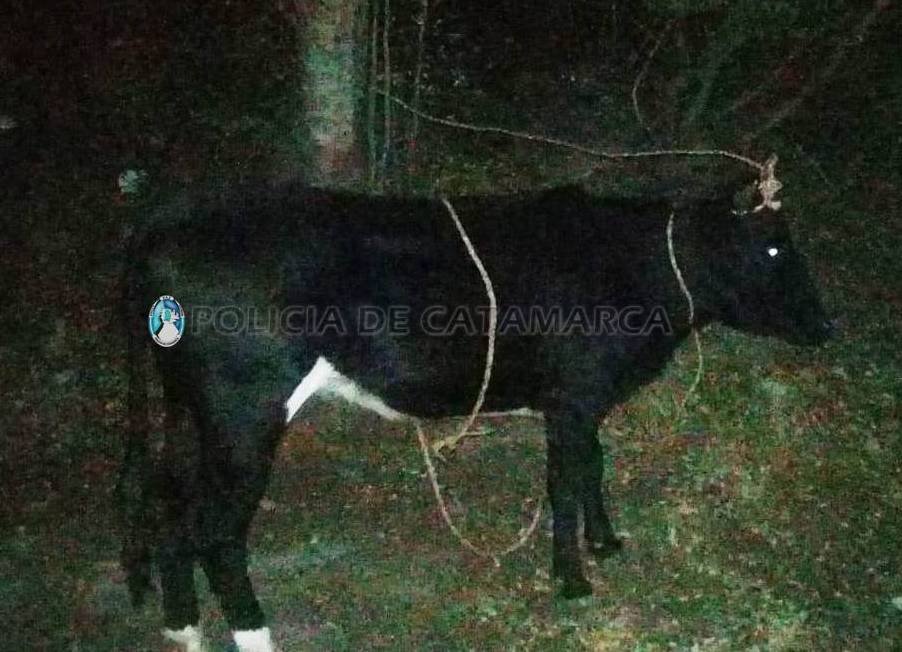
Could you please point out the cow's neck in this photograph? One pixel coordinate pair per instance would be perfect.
(697, 245)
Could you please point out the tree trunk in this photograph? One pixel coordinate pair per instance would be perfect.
(334, 59)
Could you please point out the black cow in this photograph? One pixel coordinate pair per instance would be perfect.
(285, 291)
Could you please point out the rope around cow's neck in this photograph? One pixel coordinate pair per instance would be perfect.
(685, 289)
(526, 533)
(768, 186)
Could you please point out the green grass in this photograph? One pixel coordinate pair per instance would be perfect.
(765, 516)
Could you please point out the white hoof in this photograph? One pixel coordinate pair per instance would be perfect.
(254, 640)
(191, 638)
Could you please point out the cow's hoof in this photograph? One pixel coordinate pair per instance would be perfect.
(605, 549)
(576, 587)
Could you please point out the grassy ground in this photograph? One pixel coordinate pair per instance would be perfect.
(767, 516)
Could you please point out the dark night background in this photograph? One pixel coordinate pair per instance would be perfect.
(765, 518)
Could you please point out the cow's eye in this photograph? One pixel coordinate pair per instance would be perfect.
(773, 252)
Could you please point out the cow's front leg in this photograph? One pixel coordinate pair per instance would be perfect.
(565, 432)
(600, 537)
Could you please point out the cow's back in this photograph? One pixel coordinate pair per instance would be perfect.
(260, 251)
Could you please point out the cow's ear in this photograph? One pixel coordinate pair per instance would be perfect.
(744, 199)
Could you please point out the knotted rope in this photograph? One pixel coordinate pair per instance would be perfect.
(525, 533)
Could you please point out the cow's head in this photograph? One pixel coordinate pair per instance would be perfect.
(760, 281)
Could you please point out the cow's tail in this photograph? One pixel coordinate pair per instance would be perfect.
(135, 481)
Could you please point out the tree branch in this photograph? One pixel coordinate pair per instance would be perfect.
(651, 55)
(386, 61)
(371, 99)
(417, 76)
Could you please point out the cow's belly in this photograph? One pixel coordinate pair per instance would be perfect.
(424, 397)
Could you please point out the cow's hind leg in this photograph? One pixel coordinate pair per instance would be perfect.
(236, 473)
(182, 619)
(178, 476)
(567, 432)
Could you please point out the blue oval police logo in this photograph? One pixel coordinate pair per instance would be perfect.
(166, 321)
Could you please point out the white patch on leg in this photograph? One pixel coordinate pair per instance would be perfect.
(254, 640)
(323, 377)
(191, 638)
